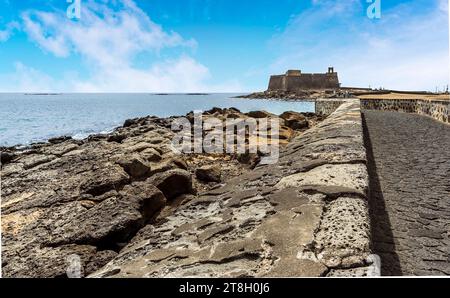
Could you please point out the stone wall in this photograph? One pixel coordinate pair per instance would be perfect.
(277, 82)
(326, 107)
(437, 109)
(306, 216)
(293, 83)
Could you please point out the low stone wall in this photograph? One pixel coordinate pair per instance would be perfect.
(437, 109)
(305, 216)
(326, 107)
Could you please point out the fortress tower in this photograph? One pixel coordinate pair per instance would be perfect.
(295, 80)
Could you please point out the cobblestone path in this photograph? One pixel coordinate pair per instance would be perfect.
(409, 165)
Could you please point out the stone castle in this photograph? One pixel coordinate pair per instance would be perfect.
(295, 80)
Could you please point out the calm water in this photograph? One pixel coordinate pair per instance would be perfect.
(31, 118)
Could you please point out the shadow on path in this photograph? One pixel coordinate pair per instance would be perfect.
(382, 235)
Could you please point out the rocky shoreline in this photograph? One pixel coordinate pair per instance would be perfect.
(300, 95)
(93, 198)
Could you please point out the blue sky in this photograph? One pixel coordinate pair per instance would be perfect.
(219, 45)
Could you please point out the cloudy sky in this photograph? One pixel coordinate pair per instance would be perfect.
(219, 45)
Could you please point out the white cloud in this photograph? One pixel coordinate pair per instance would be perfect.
(26, 79)
(406, 49)
(6, 33)
(108, 38)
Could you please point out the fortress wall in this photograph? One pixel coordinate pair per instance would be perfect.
(311, 81)
(277, 83)
(293, 83)
(437, 109)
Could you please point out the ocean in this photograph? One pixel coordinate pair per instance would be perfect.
(29, 118)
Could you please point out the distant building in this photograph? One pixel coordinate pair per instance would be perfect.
(295, 80)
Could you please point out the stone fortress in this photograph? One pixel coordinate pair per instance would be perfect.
(295, 80)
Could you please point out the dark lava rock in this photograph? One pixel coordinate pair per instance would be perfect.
(208, 174)
(173, 183)
(59, 139)
(134, 166)
(294, 120)
(6, 157)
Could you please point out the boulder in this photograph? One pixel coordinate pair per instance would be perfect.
(294, 120)
(208, 174)
(173, 183)
(134, 165)
(6, 157)
(118, 138)
(103, 179)
(286, 133)
(251, 159)
(110, 222)
(151, 154)
(259, 114)
(65, 261)
(130, 122)
(147, 195)
(59, 139)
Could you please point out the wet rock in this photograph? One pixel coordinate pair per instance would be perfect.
(118, 138)
(59, 139)
(130, 122)
(208, 174)
(6, 157)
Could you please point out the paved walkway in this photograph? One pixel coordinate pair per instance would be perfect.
(409, 165)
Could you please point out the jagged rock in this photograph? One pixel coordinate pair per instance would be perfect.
(151, 155)
(118, 138)
(286, 133)
(294, 120)
(208, 174)
(59, 139)
(110, 222)
(150, 198)
(46, 262)
(104, 179)
(251, 159)
(180, 163)
(173, 183)
(134, 166)
(125, 194)
(260, 114)
(6, 157)
(130, 122)
(36, 160)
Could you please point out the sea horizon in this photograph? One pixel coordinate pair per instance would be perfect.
(28, 118)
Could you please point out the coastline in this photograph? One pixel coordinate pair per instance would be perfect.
(128, 207)
(91, 197)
